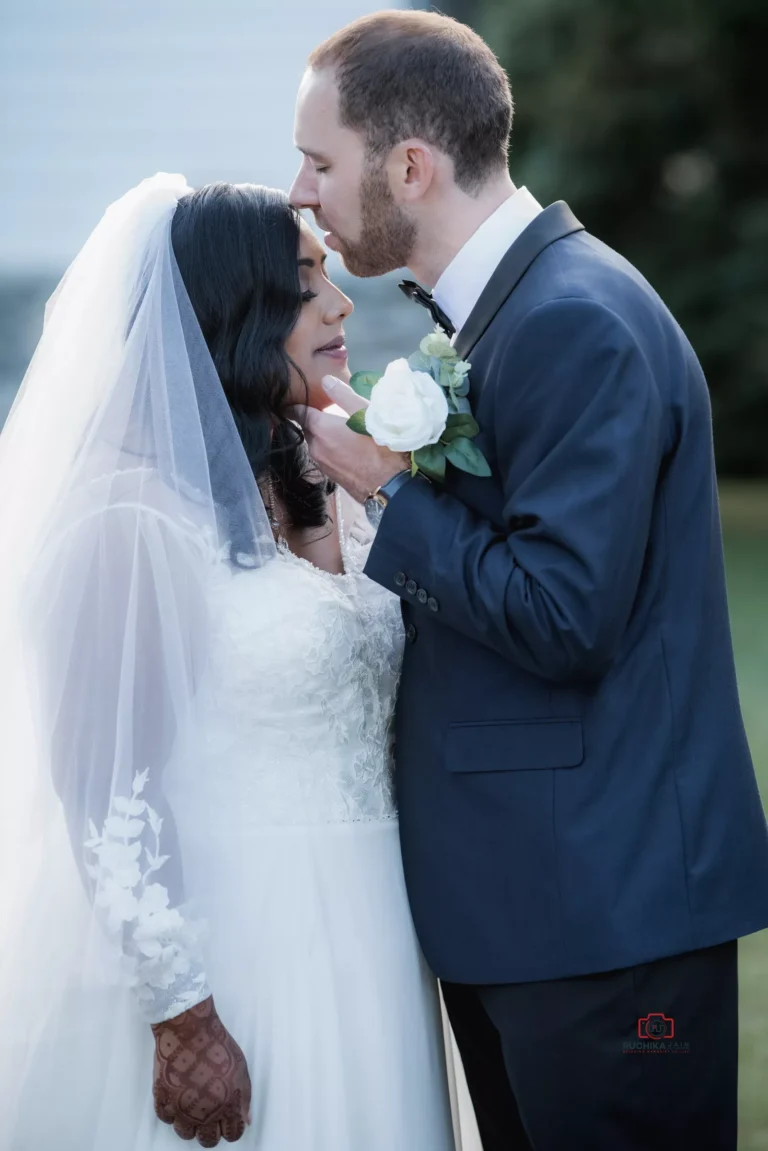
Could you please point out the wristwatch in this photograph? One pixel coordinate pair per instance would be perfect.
(378, 500)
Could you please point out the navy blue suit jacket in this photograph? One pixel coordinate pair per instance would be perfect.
(575, 787)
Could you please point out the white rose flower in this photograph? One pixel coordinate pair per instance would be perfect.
(408, 410)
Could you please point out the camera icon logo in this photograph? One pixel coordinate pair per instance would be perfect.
(656, 1026)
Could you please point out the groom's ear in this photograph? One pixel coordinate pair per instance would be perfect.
(411, 167)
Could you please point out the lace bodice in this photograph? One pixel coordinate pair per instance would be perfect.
(295, 723)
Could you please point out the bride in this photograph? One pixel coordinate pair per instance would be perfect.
(205, 931)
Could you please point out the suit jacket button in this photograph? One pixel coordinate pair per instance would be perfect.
(422, 596)
(400, 579)
(411, 587)
(432, 604)
(411, 633)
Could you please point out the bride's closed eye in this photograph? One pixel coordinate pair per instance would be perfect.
(308, 295)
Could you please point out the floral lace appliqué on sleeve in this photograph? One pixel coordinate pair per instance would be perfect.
(160, 946)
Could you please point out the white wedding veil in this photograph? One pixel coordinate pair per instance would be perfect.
(123, 478)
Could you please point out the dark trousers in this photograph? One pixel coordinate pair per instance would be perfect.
(640, 1059)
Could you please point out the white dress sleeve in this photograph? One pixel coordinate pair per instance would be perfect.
(125, 643)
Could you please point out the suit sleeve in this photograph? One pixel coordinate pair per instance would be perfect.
(579, 442)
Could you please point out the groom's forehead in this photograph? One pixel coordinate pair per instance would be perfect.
(317, 106)
(318, 131)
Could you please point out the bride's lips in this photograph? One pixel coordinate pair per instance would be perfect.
(334, 349)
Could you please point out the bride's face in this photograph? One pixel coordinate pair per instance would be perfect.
(316, 343)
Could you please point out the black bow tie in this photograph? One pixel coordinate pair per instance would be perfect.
(421, 296)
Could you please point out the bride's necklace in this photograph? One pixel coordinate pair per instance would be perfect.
(275, 523)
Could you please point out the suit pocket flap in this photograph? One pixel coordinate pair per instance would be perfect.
(514, 745)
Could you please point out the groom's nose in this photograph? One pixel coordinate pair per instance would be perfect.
(303, 193)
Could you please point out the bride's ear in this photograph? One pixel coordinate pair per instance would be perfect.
(411, 169)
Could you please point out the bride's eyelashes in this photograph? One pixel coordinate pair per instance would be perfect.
(308, 295)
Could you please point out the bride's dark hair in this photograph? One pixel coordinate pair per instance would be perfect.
(236, 246)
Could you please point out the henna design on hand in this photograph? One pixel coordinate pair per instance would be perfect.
(201, 1081)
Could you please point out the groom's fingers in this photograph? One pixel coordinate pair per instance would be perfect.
(297, 412)
(311, 421)
(308, 418)
(343, 395)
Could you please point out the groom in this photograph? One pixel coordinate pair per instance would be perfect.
(582, 834)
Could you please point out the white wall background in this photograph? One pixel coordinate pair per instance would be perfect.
(97, 94)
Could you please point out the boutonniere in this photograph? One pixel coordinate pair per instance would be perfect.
(420, 405)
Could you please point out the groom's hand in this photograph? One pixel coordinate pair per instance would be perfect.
(355, 462)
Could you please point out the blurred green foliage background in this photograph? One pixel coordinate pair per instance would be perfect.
(744, 509)
(650, 117)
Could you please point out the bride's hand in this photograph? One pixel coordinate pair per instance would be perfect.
(201, 1086)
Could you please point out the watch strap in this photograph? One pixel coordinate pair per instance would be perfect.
(391, 487)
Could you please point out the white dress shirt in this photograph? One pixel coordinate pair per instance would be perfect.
(462, 283)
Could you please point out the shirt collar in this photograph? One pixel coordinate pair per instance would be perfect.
(462, 283)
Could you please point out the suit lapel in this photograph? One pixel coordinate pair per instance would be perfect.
(552, 224)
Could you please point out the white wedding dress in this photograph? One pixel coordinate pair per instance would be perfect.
(283, 803)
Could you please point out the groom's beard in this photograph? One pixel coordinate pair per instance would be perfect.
(387, 236)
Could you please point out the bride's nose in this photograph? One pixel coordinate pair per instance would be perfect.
(339, 306)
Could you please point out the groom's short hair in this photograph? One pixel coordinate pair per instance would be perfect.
(419, 74)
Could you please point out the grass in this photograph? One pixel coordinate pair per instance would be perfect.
(744, 509)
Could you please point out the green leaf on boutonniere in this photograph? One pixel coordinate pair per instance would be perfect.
(447, 378)
(460, 424)
(464, 455)
(363, 383)
(418, 362)
(357, 423)
(431, 461)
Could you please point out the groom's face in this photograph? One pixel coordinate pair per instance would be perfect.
(348, 192)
